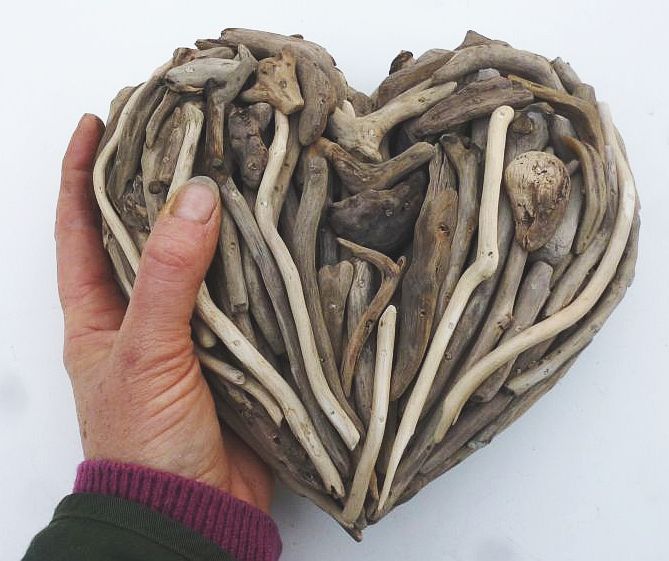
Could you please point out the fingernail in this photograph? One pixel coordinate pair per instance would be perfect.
(196, 200)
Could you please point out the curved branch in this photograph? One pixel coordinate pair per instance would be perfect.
(267, 208)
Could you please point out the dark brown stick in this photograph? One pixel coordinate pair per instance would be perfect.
(431, 251)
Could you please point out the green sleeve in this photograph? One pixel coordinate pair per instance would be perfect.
(90, 527)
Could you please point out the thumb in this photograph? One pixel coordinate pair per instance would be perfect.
(174, 262)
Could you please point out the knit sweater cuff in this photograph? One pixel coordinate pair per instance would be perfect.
(245, 532)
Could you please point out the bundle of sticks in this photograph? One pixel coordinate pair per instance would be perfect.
(400, 276)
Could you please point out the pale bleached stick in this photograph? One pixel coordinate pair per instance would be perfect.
(385, 344)
(566, 317)
(296, 416)
(483, 267)
(265, 210)
(238, 378)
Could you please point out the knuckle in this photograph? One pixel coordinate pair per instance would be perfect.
(167, 256)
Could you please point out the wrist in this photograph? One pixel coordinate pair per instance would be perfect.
(241, 529)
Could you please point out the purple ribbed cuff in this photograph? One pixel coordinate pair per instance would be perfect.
(245, 532)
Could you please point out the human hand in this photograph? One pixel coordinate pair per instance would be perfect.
(140, 395)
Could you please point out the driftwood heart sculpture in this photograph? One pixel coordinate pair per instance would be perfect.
(400, 276)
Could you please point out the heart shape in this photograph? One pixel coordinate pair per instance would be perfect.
(400, 276)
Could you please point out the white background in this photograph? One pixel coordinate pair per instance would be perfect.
(583, 476)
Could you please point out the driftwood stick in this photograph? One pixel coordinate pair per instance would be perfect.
(328, 248)
(384, 362)
(483, 267)
(504, 58)
(567, 75)
(477, 99)
(168, 164)
(391, 275)
(466, 163)
(165, 108)
(115, 107)
(232, 264)
(412, 75)
(228, 243)
(594, 184)
(193, 76)
(288, 215)
(260, 305)
(380, 220)
(531, 298)
(320, 100)
(129, 150)
(359, 299)
(586, 92)
(425, 454)
(362, 104)
(238, 378)
(431, 251)
(154, 192)
(271, 277)
(403, 59)
(363, 135)
(567, 316)
(202, 334)
(358, 176)
(334, 284)
(582, 114)
(304, 253)
(183, 169)
(267, 211)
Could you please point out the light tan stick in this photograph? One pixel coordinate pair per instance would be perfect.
(385, 344)
(483, 267)
(566, 317)
(265, 210)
